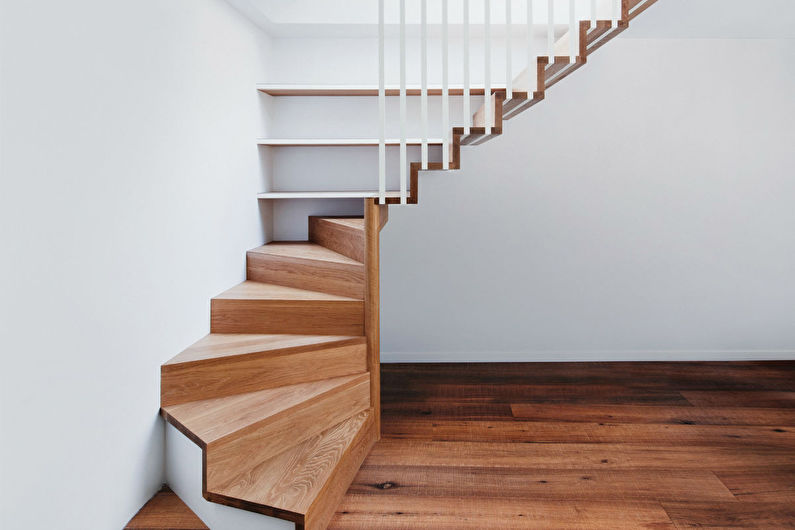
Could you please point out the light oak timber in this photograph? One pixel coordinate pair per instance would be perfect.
(470, 513)
(226, 364)
(340, 234)
(374, 220)
(305, 483)
(253, 307)
(237, 429)
(306, 265)
(165, 511)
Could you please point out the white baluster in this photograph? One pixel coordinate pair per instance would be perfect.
(551, 31)
(593, 15)
(403, 154)
(424, 89)
(508, 58)
(381, 108)
(532, 56)
(574, 33)
(487, 121)
(616, 12)
(467, 116)
(445, 94)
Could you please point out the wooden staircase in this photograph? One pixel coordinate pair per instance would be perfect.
(279, 396)
(283, 396)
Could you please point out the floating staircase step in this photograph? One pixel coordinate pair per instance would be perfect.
(226, 364)
(306, 483)
(235, 431)
(341, 234)
(253, 307)
(165, 511)
(604, 32)
(306, 265)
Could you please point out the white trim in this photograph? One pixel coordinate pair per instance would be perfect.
(467, 95)
(551, 31)
(508, 58)
(381, 106)
(488, 118)
(268, 195)
(588, 355)
(445, 89)
(424, 75)
(331, 142)
(403, 119)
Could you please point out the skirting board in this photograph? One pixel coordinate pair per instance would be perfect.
(588, 356)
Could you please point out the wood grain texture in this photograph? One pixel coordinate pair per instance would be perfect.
(270, 436)
(165, 511)
(253, 307)
(224, 365)
(308, 266)
(373, 223)
(519, 445)
(340, 234)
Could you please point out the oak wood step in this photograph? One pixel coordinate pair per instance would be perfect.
(165, 511)
(254, 307)
(340, 234)
(305, 483)
(306, 265)
(225, 364)
(235, 431)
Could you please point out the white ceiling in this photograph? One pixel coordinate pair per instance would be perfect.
(666, 19)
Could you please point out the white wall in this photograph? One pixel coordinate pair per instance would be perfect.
(643, 211)
(640, 212)
(128, 181)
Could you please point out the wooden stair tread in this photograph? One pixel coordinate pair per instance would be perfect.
(220, 345)
(304, 250)
(210, 420)
(165, 511)
(291, 481)
(249, 290)
(350, 222)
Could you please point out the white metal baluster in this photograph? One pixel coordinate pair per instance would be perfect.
(616, 12)
(403, 155)
(532, 57)
(508, 58)
(487, 119)
(445, 94)
(593, 15)
(551, 31)
(381, 108)
(424, 89)
(467, 115)
(574, 34)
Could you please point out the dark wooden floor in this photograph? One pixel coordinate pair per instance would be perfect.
(586, 445)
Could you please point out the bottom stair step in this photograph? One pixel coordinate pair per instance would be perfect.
(305, 483)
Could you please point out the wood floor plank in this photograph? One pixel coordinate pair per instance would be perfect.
(461, 482)
(654, 414)
(731, 514)
(477, 514)
(775, 399)
(411, 452)
(762, 485)
(570, 432)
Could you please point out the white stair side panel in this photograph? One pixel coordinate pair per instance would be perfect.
(184, 477)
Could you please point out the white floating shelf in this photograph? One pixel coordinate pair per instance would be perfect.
(324, 195)
(310, 142)
(364, 90)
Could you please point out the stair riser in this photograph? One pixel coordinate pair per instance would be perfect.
(257, 371)
(312, 317)
(225, 458)
(345, 240)
(324, 507)
(312, 275)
